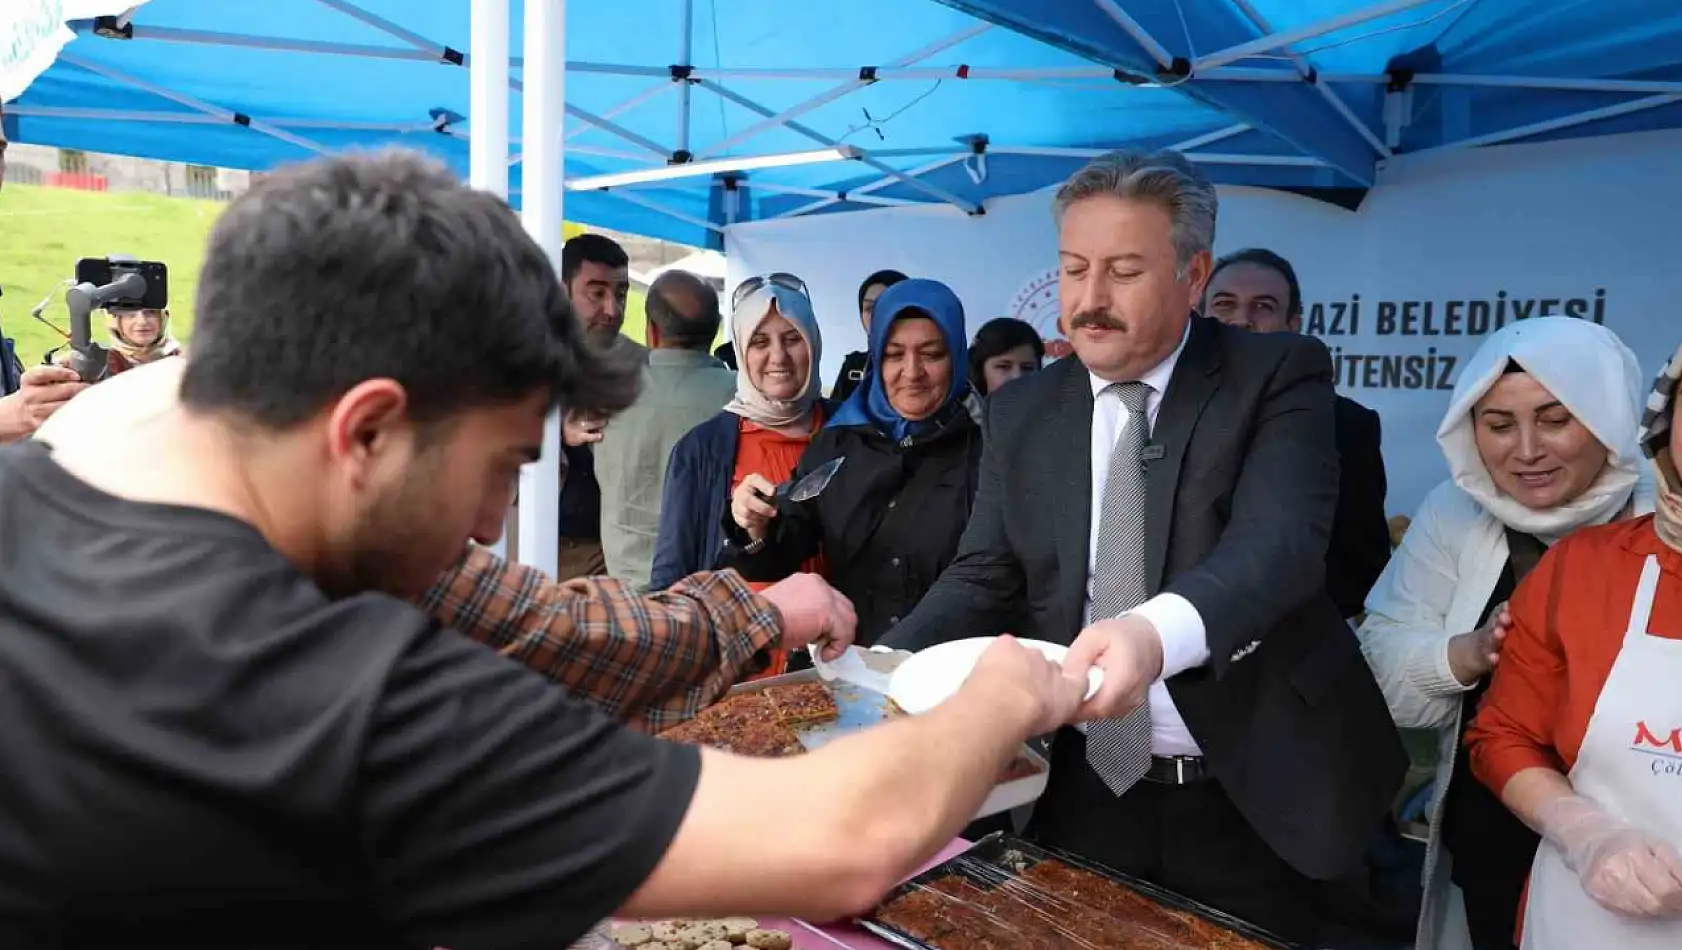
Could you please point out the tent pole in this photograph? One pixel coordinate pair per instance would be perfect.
(878, 185)
(776, 119)
(1140, 34)
(1267, 44)
(652, 92)
(1554, 125)
(1219, 135)
(255, 125)
(488, 115)
(1325, 91)
(685, 46)
(543, 121)
(1541, 82)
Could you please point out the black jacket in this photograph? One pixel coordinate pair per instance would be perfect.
(852, 373)
(887, 524)
(1239, 509)
(1360, 544)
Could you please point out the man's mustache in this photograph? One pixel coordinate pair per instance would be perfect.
(1096, 318)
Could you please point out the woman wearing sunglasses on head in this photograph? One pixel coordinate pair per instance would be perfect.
(764, 430)
(889, 520)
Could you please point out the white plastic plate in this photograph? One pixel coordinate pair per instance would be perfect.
(932, 676)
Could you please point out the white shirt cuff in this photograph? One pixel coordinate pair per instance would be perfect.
(1185, 641)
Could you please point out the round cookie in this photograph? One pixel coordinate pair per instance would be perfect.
(630, 935)
(718, 945)
(736, 928)
(685, 939)
(707, 931)
(769, 940)
(665, 930)
(656, 945)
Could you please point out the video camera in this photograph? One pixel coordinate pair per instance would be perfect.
(109, 282)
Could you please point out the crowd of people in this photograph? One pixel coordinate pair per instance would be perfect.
(241, 591)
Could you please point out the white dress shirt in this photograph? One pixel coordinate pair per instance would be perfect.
(1185, 641)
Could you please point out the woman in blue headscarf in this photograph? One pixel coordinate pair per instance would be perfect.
(889, 520)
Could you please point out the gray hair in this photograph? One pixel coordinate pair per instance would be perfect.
(1164, 177)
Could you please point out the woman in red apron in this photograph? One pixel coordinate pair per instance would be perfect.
(1581, 731)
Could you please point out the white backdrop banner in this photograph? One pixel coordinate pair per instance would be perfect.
(1448, 249)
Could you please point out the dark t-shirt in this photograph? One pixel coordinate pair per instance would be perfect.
(199, 749)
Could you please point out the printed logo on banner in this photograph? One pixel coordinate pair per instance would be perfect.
(1036, 304)
(1663, 749)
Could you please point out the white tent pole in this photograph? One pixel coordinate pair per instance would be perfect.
(785, 117)
(1140, 35)
(1268, 44)
(541, 196)
(488, 108)
(190, 102)
(865, 158)
(1554, 125)
(685, 47)
(1325, 91)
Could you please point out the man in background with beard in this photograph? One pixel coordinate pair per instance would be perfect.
(597, 275)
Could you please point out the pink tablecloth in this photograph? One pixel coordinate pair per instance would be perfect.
(846, 936)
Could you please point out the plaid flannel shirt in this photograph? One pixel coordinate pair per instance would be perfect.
(653, 661)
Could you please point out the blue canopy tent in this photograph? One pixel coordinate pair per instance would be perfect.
(909, 101)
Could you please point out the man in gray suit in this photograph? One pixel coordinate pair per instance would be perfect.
(1162, 502)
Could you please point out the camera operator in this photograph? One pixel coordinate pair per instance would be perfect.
(138, 335)
(44, 390)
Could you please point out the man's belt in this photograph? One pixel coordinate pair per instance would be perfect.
(1177, 769)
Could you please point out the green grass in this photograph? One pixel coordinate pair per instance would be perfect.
(44, 231)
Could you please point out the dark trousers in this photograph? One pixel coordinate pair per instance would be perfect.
(1189, 839)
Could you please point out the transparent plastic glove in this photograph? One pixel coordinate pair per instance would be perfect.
(1625, 869)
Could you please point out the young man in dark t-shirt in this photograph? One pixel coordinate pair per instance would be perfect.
(221, 728)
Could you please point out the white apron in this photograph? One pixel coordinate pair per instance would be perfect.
(1629, 767)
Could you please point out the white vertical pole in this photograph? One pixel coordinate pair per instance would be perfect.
(684, 56)
(540, 194)
(488, 113)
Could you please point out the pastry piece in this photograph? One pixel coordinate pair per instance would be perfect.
(667, 930)
(803, 704)
(769, 940)
(717, 945)
(736, 928)
(630, 935)
(745, 724)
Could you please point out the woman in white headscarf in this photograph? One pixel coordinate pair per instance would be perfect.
(1581, 733)
(765, 429)
(1540, 439)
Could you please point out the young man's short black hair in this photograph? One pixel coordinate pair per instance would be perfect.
(383, 266)
(678, 329)
(591, 248)
(1262, 257)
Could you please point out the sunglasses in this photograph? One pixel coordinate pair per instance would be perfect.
(753, 285)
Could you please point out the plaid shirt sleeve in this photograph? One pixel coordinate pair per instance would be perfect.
(651, 660)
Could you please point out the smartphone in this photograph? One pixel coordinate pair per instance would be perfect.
(100, 271)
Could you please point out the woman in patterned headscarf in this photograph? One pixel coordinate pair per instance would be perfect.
(1581, 730)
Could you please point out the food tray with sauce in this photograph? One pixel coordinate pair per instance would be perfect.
(1008, 892)
(860, 708)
